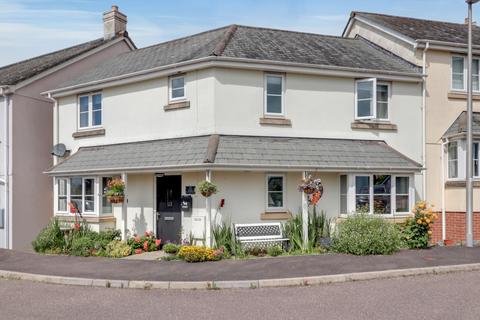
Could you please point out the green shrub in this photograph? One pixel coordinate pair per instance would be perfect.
(361, 234)
(318, 227)
(417, 230)
(82, 246)
(199, 254)
(117, 249)
(256, 251)
(171, 248)
(274, 251)
(224, 237)
(51, 239)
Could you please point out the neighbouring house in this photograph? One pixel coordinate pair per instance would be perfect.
(26, 128)
(441, 49)
(250, 109)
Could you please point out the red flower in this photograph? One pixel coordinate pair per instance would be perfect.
(77, 226)
(145, 246)
(158, 242)
(138, 251)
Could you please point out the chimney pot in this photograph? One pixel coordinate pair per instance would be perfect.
(114, 23)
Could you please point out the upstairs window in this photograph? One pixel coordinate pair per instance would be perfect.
(90, 111)
(372, 99)
(177, 88)
(274, 87)
(459, 71)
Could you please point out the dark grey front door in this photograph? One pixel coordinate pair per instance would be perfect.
(169, 217)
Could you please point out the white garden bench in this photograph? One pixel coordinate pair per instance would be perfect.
(261, 235)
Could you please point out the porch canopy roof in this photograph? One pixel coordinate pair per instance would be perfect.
(459, 126)
(231, 152)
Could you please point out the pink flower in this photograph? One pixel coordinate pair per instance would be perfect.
(138, 251)
(137, 239)
(158, 242)
(145, 246)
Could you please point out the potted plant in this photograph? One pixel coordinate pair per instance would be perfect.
(207, 188)
(116, 191)
(313, 188)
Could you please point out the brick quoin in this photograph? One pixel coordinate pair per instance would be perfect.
(456, 225)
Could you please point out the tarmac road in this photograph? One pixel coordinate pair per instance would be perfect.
(448, 296)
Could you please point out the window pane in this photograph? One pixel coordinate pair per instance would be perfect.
(364, 108)
(107, 207)
(362, 185)
(62, 203)
(382, 184)
(97, 102)
(362, 204)
(475, 74)
(89, 186)
(381, 204)
(382, 110)
(83, 119)
(77, 200)
(178, 93)
(97, 118)
(84, 104)
(452, 160)
(76, 186)
(274, 104)
(275, 183)
(402, 203)
(274, 85)
(62, 187)
(178, 83)
(89, 203)
(382, 92)
(457, 73)
(343, 184)
(275, 199)
(402, 185)
(343, 204)
(365, 89)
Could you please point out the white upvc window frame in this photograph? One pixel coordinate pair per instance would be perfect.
(170, 88)
(465, 71)
(89, 111)
(352, 195)
(284, 193)
(374, 101)
(457, 160)
(96, 198)
(265, 95)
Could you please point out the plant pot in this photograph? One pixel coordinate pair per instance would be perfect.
(206, 194)
(116, 199)
(309, 190)
(448, 242)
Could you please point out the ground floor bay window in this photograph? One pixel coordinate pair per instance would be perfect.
(85, 193)
(381, 194)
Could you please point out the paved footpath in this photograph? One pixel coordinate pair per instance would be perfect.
(433, 297)
(252, 269)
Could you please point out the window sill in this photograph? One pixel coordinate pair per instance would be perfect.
(275, 121)
(275, 216)
(88, 133)
(461, 183)
(462, 95)
(90, 218)
(397, 218)
(373, 125)
(177, 105)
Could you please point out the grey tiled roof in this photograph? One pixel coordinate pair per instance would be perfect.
(421, 29)
(459, 126)
(239, 151)
(309, 152)
(23, 70)
(252, 43)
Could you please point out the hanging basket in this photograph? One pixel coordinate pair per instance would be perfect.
(116, 199)
(206, 194)
(309, 190)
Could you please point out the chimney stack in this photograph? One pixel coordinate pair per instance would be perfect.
(114, 23)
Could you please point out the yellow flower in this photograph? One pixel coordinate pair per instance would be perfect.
(419, 221)
(427, 220)
(430, 232)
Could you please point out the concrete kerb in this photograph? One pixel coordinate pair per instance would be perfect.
(238, 284)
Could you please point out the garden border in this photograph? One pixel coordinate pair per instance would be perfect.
(240, 284)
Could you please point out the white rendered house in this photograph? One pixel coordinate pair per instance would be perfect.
(251, 109)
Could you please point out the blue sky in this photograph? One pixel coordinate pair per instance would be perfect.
(32, 27)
